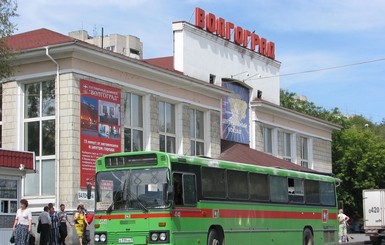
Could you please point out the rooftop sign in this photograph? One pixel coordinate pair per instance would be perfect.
(241, 37)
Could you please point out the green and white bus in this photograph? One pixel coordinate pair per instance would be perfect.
(162, 198)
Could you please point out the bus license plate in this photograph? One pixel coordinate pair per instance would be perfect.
(126, 240)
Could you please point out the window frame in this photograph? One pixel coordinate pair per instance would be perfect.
(195, 141)
(169, 136)
(268, 140)
(42, 159)
(133, 128)
(304, 152)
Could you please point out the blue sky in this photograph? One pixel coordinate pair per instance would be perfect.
(331, 51)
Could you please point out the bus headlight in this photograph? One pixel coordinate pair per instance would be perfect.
(103, 237)
(159, 237)
(100, 237)
(162, 236)
(154, 237)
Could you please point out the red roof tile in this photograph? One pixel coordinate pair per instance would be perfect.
(35, 39)
(244, 154)
(166, 63)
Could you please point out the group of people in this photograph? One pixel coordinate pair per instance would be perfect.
(52, 224)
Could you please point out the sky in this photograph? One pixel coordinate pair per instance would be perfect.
(331, 51)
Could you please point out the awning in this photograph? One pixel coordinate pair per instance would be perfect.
(21, 160)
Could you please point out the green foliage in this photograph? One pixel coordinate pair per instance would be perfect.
(7, 11)
(294, 102)
(358, 151)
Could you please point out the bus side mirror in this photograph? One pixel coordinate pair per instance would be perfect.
(89, 187)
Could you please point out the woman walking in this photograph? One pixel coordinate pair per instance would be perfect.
(23, 223)
(80, 223)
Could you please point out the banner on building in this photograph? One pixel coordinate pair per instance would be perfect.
(99, 124)
(235, 113)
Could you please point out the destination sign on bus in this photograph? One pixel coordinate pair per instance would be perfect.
(130, 161)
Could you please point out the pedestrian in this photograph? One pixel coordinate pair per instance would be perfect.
(342, 220)
(63, 219)
(23, 223)
(80, 223)
(55, 236)
(45, 226)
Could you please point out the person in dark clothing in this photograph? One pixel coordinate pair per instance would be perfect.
(54, 225)
(63, 224)
(45, 226)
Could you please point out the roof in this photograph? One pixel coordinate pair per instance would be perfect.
(244, 154)
(17, 159)
(163, 62)
(36, 39)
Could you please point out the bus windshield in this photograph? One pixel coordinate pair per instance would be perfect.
(131, 189)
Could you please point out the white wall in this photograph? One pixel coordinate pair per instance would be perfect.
(198, 54)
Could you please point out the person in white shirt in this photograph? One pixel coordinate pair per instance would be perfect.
(23, 223)
(342, 219)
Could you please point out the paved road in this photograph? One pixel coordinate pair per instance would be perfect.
(357, 239)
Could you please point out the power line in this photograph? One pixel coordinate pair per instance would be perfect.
(318, 70)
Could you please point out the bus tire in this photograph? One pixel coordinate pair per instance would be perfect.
(308, 237)
(214, 238)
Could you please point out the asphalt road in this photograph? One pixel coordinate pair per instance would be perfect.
(357, 239)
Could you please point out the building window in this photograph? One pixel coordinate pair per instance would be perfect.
(287, 147)
(304, 152)
(167, 127)
(134, 51)
(8, 201)
(39, 136)
(133, 122)
(110, 48)
(212, 79)
(268, 140)
(196, 132)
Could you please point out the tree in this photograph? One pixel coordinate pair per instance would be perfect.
(358, 151)
(359, 161)
(294, 102)
(7, 11)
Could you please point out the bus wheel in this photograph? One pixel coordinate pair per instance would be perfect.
(214, 238)
(308, 237)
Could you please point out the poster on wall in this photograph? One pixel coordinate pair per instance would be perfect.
(99, 124)
(235, 113)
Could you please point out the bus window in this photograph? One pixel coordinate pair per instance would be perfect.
(178, 189)
(184, 189)
(213, 183)
(189, 190)
(259, 187)
(237, 185)
(328, 196)
(278, 189)
(312, 192)
(295, 190)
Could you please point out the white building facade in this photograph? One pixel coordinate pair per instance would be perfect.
(70, 102)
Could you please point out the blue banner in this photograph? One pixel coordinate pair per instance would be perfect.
(235, 113)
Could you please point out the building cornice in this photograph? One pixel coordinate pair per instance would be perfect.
(270, 108)
(94, 54)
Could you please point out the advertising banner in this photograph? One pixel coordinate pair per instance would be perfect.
(235, 113)
(100, 126)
